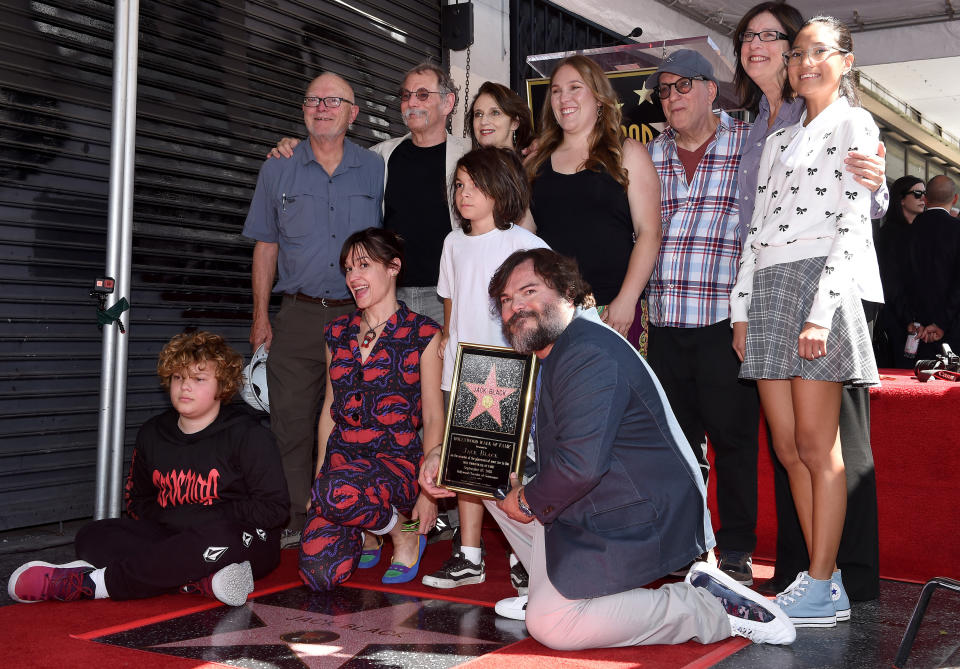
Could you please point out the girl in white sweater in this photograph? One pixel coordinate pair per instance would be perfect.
(798, 324)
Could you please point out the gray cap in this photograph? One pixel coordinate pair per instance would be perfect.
(686, 63)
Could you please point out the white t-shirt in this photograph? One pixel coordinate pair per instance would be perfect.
(466, 267)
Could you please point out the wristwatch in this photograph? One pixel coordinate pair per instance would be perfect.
(522, 503)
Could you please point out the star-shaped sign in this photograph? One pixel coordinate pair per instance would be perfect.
(489, 395)
(644, 93)
(325, 640)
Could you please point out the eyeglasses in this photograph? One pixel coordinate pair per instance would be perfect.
(765, 36)
(916, 193)
(816, 54)
(421, 94)
(683, 85)
(329, 102)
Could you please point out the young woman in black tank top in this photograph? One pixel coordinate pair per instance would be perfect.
(596, 197)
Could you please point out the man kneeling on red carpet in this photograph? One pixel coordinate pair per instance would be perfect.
(617, 500)
(206, 496)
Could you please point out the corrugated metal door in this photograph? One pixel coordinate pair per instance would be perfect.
(539, 26)
(219, 82)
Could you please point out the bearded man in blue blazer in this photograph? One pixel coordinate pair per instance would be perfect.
(617, 500)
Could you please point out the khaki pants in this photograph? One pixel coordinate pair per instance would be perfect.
(296, 380)
(673, 613)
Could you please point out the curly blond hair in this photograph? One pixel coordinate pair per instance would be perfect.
(199, 348)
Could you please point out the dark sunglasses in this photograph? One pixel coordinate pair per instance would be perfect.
(916, 193)
(683, 85)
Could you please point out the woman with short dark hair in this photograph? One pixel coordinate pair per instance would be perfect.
(383, 385)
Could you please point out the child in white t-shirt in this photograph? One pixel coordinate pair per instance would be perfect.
(490, 189)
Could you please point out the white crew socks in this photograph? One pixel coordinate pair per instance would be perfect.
(471, 553)
(97, 576)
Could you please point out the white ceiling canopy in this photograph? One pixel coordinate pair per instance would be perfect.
(910, 48)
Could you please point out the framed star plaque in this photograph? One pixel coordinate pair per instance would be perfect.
(488, 420)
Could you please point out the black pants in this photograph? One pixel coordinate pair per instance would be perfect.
(859, 555)
(144, 559)
(699, 370)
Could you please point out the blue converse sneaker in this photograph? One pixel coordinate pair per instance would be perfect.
(751, 615)
(808, 602)
(841, 603)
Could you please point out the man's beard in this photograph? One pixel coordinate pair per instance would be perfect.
(547, 330)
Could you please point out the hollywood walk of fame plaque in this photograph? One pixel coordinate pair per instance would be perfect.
(488, 420)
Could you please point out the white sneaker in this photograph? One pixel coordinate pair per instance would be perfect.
(751, 615)
(512, 607)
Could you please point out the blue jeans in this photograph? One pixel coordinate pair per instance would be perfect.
(422, 300)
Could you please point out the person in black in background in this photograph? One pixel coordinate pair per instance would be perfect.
(908, 200)
(206, 497)
(931, 297)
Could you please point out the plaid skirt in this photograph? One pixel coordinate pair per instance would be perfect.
(781, 301)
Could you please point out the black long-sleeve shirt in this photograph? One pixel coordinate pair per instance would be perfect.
(229, 470)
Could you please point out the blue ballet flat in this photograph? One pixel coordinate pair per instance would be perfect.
(370, 556)
(401, 573)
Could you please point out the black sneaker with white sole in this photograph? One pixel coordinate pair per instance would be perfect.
(738, 565)
(442, 530)
(519, 578)
(456, 571)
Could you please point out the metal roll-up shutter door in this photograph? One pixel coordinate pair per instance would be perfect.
(219, 82)
(540, 26)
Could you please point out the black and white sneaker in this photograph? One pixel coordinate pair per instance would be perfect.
(519, 578)
(456, 571)
(738, 565)
(751, 615)
(289, 539)
(442, 530)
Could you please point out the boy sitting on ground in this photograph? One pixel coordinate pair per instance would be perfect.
(206, 497)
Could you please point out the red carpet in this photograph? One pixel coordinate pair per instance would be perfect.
(529, 654)
(913, 435)
(55, 634)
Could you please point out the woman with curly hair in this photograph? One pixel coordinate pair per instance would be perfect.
(206, 499)
(596, 196)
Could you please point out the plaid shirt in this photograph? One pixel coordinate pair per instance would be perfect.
(697, 266)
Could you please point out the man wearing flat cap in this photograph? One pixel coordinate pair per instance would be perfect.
(697, 158)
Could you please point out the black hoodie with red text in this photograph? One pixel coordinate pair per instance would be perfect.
(230, 470)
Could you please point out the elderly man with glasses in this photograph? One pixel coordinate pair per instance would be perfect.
(697, 159)
(417, 169)
(302, 211)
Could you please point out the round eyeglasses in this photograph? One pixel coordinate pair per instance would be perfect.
(421, 94)
(683, 85)
(816, 54)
